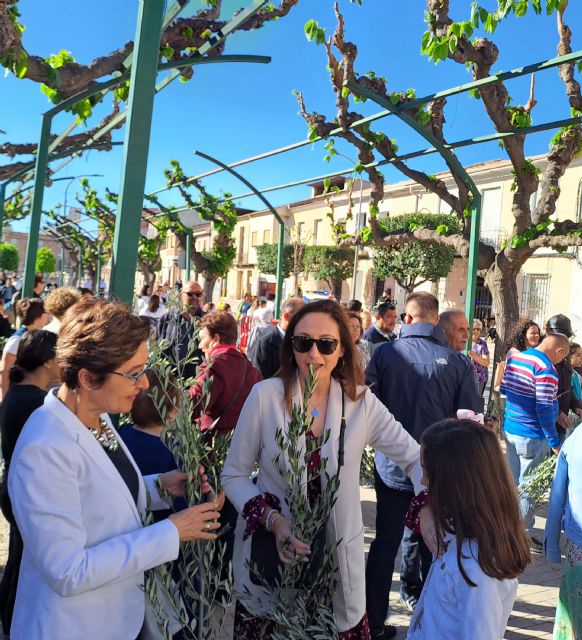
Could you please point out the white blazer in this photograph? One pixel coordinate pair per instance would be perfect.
(368, 422)
(85, 549)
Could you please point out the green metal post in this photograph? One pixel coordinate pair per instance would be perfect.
(36, 211)
(473, 262)
(188, 254)
(80, 269)
(280, 258)
(98, 274)
(2, 198)
(137, 140)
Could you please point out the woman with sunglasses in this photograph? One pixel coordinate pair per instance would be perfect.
(78, 497)
(318, 336)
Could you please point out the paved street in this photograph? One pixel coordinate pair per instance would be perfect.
(533, 613)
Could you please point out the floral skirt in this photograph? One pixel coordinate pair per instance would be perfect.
(568, 625)
(248, 628)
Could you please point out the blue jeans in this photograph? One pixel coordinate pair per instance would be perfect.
(523, 456)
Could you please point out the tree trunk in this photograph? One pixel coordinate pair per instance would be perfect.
(502, 283)
(209, 282)
(336, 287)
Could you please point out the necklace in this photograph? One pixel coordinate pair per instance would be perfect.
(106, 438)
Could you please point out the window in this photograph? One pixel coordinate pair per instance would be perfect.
(316, 227)
(267, 236)
(254, 238)
(534, 297)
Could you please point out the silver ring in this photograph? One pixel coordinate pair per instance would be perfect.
(207, 526)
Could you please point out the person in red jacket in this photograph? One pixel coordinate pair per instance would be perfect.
(233, 377)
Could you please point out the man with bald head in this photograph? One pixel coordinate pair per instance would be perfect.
(179, 328)
(530, 384)
(455, 326)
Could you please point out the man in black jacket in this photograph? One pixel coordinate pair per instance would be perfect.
(421, 380)
(263, 351)
(567, 401)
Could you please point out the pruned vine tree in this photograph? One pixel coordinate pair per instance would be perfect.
(465, 41)
(61, 76)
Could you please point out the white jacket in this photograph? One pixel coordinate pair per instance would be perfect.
(85, 549)
(367, 422)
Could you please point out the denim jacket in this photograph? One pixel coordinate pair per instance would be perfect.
(565, 506)
(421, 381)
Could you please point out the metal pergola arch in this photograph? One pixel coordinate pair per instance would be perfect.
(155, 16)
(143, 75)
(445, 150)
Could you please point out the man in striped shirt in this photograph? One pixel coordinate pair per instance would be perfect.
(530, 384)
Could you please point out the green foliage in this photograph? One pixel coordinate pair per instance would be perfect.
(518, 117)
(538, 483)
(305, 612)
(414, 263)
(121, 93)
(46, 261)
(329, 263)
(267, 259)
(200, 580)
(313, 32)
(439, 47)
(9, 258)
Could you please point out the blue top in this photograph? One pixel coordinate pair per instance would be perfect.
(565, 506)
(150, 453)
(530, 383)
(421, 381)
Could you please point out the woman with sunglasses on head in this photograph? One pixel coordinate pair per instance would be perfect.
(318, 337)
(78, 497)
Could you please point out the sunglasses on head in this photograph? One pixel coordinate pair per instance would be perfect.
(325, 346)
(198, 294)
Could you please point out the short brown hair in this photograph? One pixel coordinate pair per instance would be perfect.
(350, 375)
(426, 305)
(29, 310)
(98, 336)
(152, 405)
(59, 300)
(222, 324)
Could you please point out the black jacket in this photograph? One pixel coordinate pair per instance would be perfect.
(421, 381)
(264, 353)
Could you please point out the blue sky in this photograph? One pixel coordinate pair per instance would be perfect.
(235, 111)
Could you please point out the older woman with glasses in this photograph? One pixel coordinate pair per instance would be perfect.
(78, 497)
(318, 337)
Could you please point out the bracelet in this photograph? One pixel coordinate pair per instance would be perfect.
(268, 522)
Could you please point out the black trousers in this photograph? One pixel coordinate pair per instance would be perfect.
(391, 508)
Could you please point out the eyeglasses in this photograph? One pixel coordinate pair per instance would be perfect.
(325, 346)
(134, 377)
(198, 294)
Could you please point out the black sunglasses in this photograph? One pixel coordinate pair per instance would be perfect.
(325, 346)
(198, 294)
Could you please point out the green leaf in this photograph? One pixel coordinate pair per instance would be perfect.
(314, 32)
(453, 41)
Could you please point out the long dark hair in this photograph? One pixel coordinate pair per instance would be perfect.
(154, 303)
(350, 374)
(34, 349)
(473, 496)
(518, 340)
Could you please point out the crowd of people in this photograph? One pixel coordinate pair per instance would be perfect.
(75, 487)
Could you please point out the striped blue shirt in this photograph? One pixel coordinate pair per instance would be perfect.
(530, 383)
